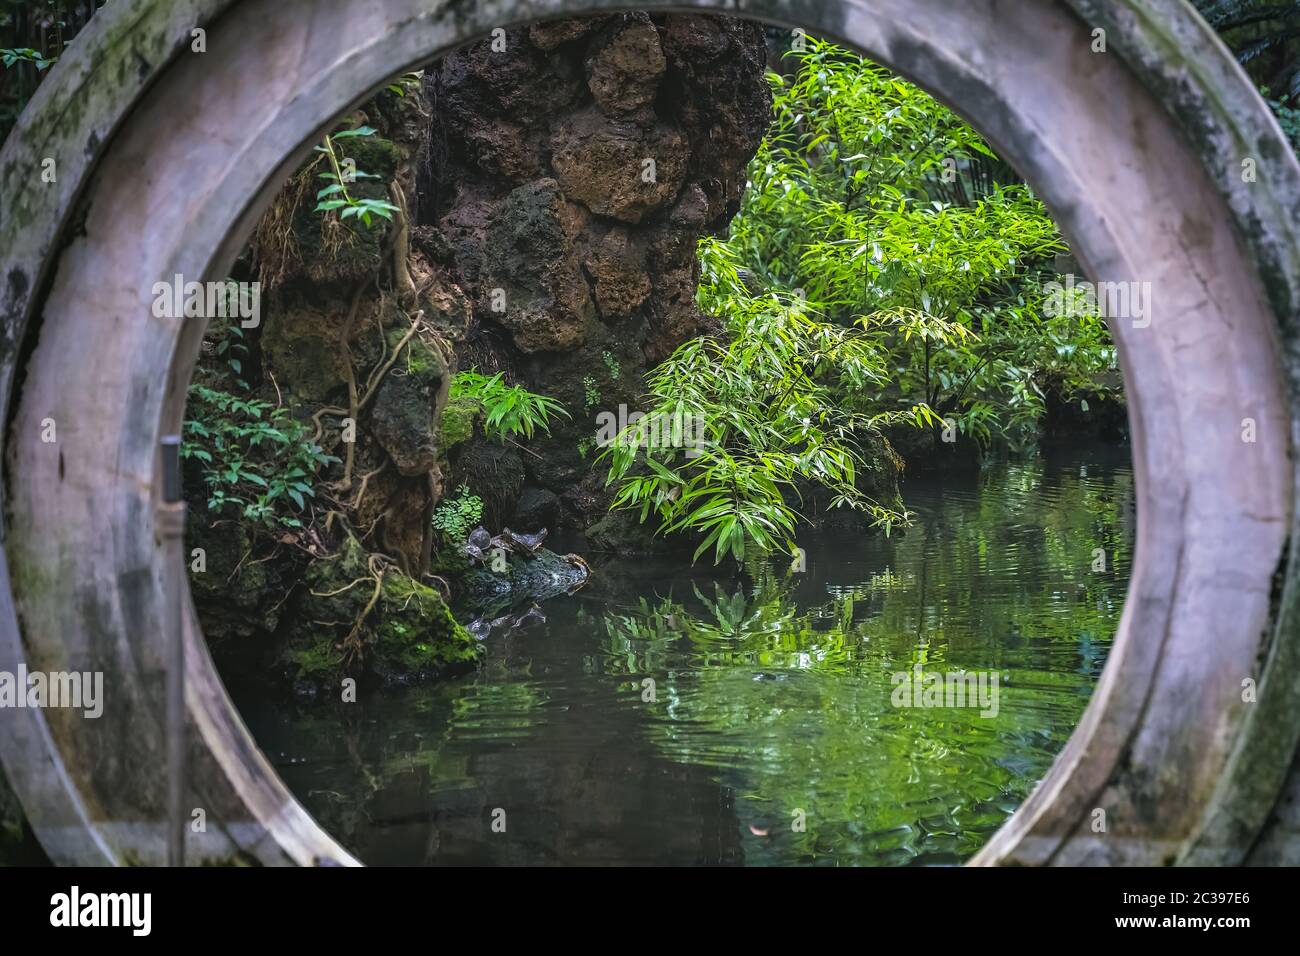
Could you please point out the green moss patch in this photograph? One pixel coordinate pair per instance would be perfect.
(409, 634)
(459, 419)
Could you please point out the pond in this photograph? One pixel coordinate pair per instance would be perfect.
(668, 715)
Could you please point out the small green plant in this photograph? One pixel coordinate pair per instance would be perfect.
(457, 517)
(511, 410)
(611, 364)
(227, 337)
(585, 448)
(405, 84)
(1287, 108)
(25, 55)
(335, 196)
(256, 460)
(590, 393)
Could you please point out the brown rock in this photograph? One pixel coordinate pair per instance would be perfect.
(618, 169)
(446, 306)
(588, 238)
(405, 413)
(672, 239)
(504, 149)
(624, 72)
(618, 266)
(674, 316)
(531, 282)
(553, 33)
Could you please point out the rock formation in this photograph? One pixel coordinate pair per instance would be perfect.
(571, 170)
(549, 192)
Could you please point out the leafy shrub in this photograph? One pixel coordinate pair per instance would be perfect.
(510, 410)
(457, 517)
(10, 56)
(256, 460)
(336, 196)
(759, 412)
(882, 209)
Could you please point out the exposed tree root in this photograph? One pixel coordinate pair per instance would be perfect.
(353, 646)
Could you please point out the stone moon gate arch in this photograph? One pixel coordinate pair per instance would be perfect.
(164, 158)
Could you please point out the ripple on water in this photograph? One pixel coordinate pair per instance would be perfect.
(683, 717)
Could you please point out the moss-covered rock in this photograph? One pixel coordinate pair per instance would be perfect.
(407, 635)
(238, 595)
(403, 418)
(303, 345)
(459, 418)
(331, 248)
(416, 636)
(372, 154)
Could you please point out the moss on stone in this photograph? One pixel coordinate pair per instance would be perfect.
(315, 662)
(304, 348)
(372, 154)
(448, 559)
(409, 634)
(459, 418)
(402, 418)
(417, 636)
(417, 358)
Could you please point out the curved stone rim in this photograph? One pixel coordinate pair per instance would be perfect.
(1139, 717)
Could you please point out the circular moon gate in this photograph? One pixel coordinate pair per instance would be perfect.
(165, 157)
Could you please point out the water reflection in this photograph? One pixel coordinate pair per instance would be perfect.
(665, 715)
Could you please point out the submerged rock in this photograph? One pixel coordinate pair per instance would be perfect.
(526, 580)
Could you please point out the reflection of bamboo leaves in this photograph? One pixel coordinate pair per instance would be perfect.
(814, 728)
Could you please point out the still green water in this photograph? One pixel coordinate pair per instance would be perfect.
(666, 715)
